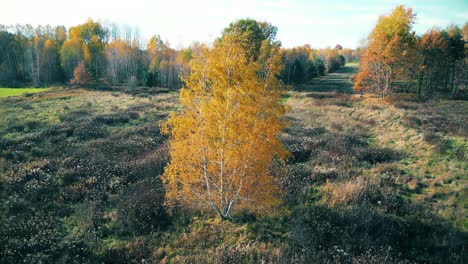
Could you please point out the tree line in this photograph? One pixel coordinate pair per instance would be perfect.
(95, 53)
(396, 59)
(45, 55)
(301, 64)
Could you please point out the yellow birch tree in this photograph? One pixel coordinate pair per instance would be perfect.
(224, 139)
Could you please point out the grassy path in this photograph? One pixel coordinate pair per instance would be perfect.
(339, 81)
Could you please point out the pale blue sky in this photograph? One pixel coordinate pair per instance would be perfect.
(318, 23)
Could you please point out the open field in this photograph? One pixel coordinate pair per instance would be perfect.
(369, 181)
(4, 92)
(431, 138)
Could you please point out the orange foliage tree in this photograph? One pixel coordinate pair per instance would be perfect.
(224, 139)
(81, 74)
(389, 54)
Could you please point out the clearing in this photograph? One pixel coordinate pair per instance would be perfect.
(369, 179)
(428, 141)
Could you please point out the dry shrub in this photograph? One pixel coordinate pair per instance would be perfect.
(336, 126)
(318, 95)
(362, 190)
(406, 105)
(375, 107)
(248, 253)
(141, 206)
(368, 122)
(378, 155)
(322, 173)
(435, 119)
(440, 144)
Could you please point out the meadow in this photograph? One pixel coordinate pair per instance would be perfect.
(369, 181)
(4, 92)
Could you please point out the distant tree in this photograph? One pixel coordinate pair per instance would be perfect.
(94, 37)
(224, 139)
(389, 53)
(442, 62)
(81, 75)
(320, 65)
(254, 34)
(432, 59)
(154, 50)
(33, 58)
(50, 70)
(338, 47)
(299, 65)
(119, 61)
(342, 60)
(455, 54)
(71, 53)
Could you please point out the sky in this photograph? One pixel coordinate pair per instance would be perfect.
(318, 23)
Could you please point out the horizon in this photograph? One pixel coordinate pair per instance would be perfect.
(298, 22)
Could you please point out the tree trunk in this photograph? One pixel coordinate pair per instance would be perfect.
(420, 82)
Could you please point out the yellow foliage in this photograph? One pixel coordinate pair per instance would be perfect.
(86, 54)
(225, 137)
(390, 53)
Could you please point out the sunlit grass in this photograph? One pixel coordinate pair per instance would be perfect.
(5, 92)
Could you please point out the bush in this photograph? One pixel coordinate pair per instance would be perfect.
(356, 230)
(361, 191)
(141, 206)
(31, 238)
(460, 153)
(382, 155)
(90, 130)
(81, 75)
(440, 144)
(30, 231)
(133, 115)
(112, 119)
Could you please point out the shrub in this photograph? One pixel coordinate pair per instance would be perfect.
(318, 95)
(356, 230)
(297, 147)
(141, 206)
(31, 238)
(133, 115)
(440, 144)
(81, 75)
(460, 153)
(337, 126)
(112, 119)
(371, 192)
(76, 115)
(293, 179)
(90, 130)
(30, 231)
(26, 106)
(32, 124)
(378, 155)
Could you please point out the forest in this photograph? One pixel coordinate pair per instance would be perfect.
(112, 55)
(119, 149)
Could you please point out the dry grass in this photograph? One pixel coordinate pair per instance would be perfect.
(434, 173)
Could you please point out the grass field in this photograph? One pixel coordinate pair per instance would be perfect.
(431, 137)
(370, 181)
(4, 92)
